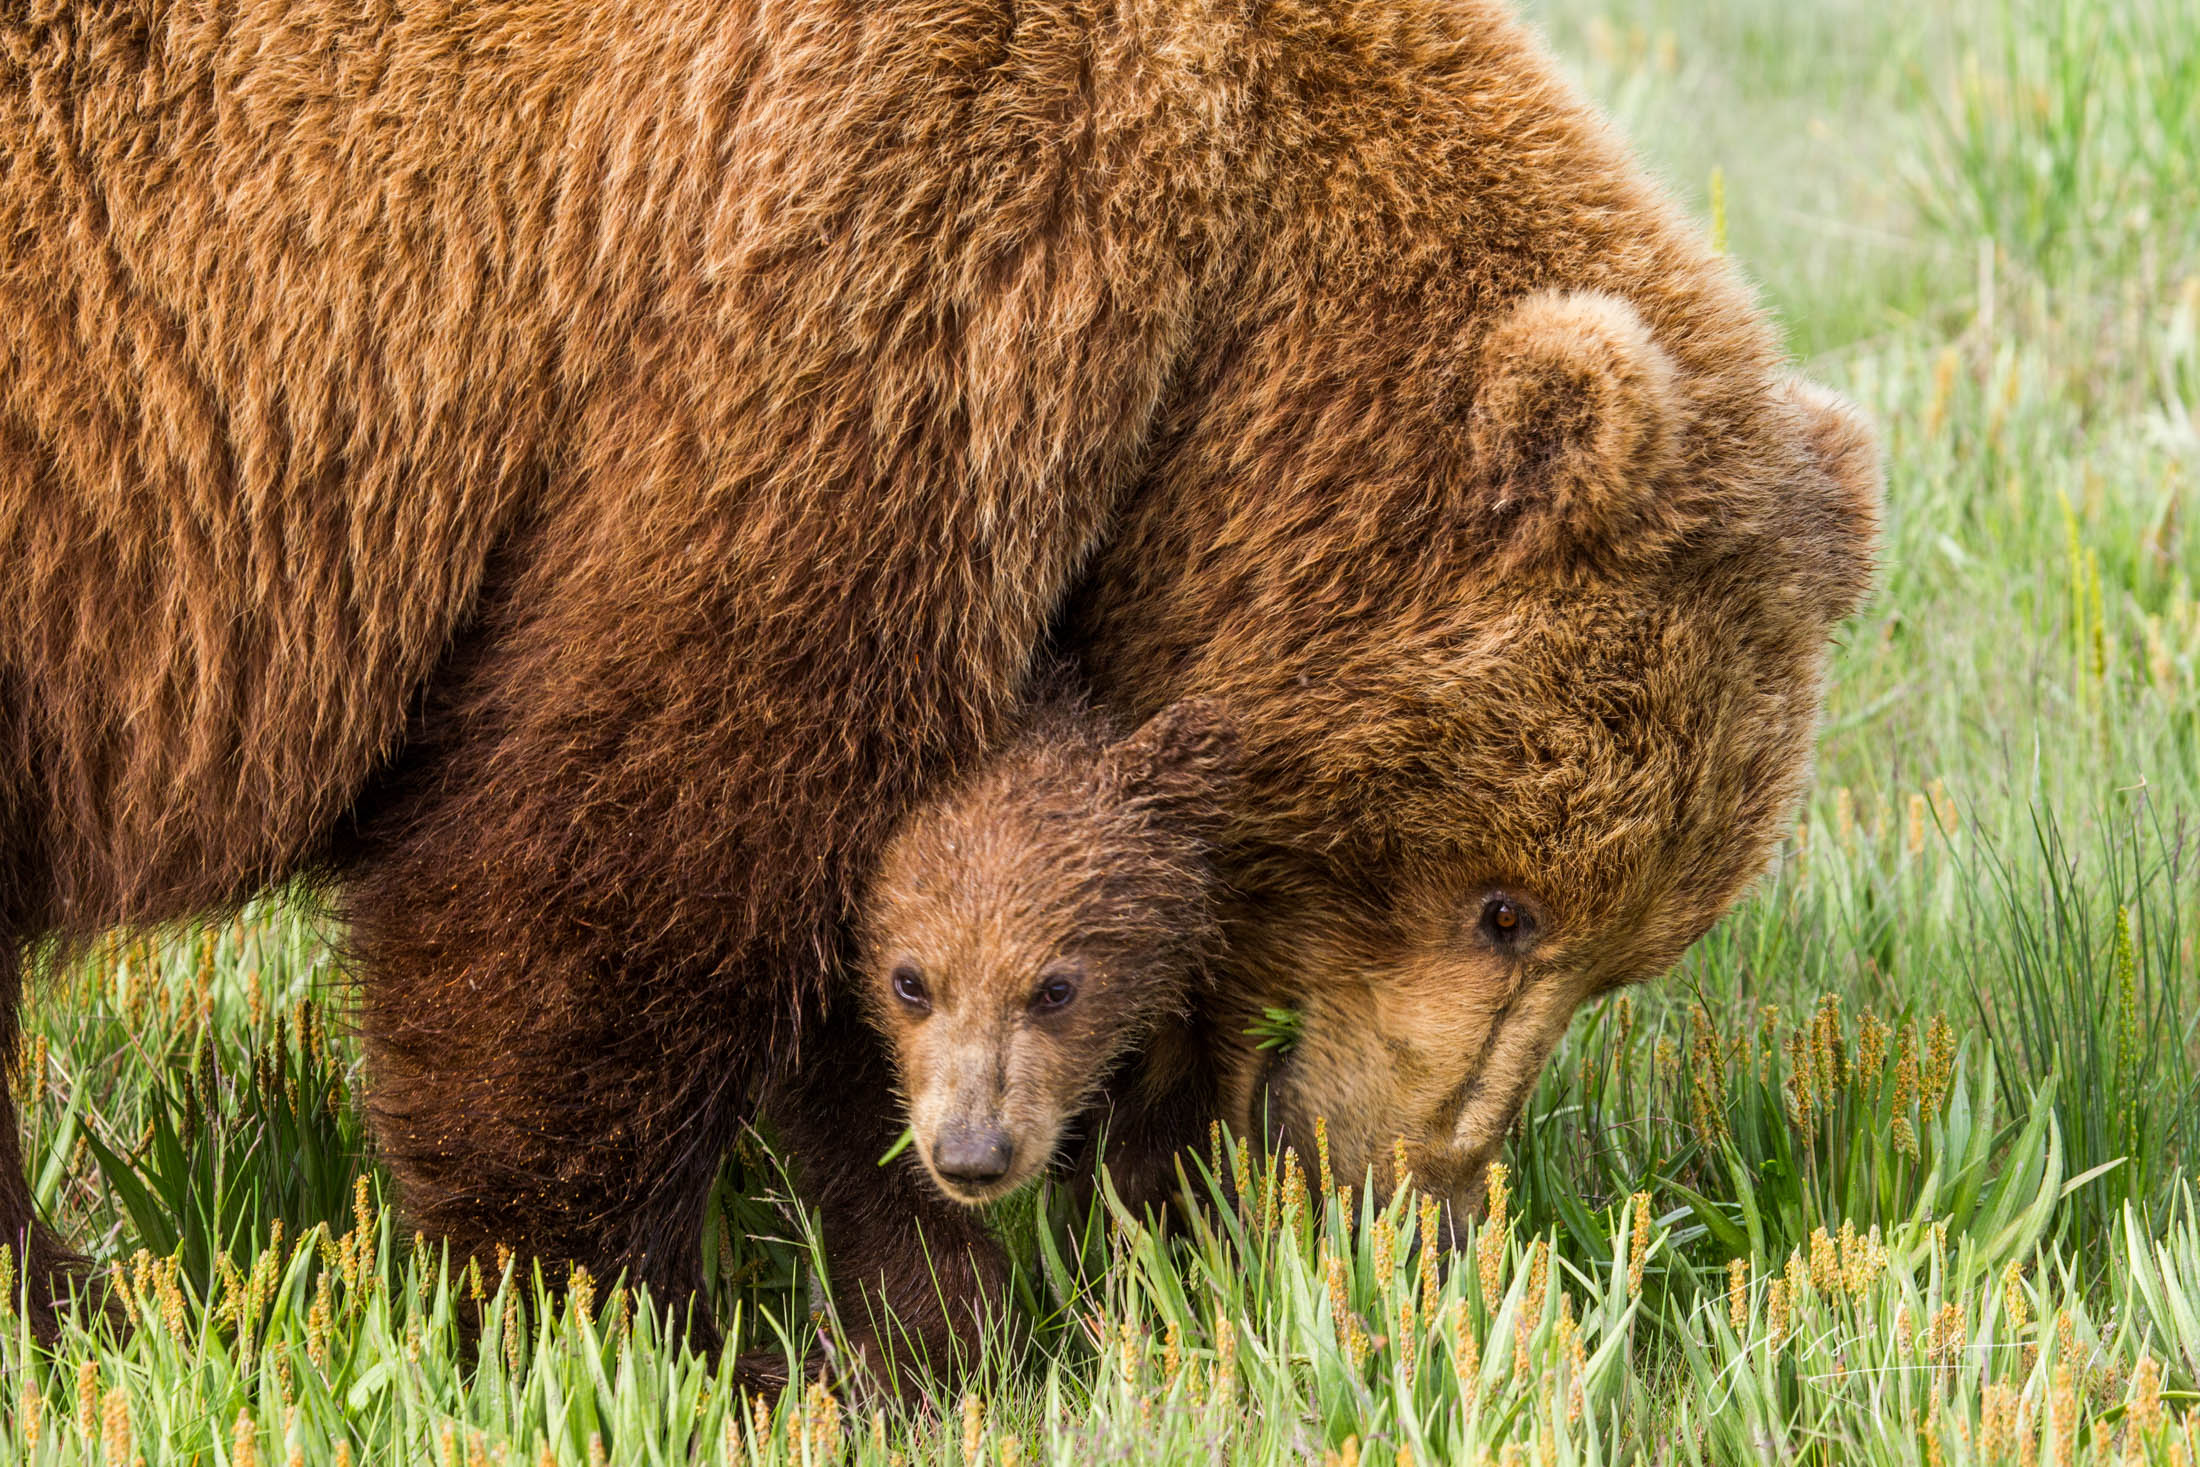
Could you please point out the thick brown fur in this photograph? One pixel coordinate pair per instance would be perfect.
(1031, 929)
(581, 472)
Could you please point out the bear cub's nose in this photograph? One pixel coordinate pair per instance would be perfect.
(974, 1154)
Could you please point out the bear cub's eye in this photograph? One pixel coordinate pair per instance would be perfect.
(1057, 988)
(909, 987)
(1506, 924)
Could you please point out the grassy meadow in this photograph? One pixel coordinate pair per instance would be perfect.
(1898, 1168)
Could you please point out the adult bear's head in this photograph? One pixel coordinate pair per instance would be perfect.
(1522, 615)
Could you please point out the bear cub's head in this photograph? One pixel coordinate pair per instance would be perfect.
(1027, 931)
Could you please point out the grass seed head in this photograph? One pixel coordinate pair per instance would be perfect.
(2014, 1303)
(87, 1398)
(2062, 1415)
(1737, 1295)
(115, 1426)
(2146, 1396)
(1466, 1353)
(1638, 1246)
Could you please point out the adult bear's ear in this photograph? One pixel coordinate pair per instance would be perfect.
(1179, 762)
(1842, 545)
(1573, 421)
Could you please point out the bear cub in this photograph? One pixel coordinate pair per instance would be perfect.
(1044, 921)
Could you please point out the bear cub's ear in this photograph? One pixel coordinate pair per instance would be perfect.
(1180, 761)
(1573, 419)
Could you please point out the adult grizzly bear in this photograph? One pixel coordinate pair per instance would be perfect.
(576, 473)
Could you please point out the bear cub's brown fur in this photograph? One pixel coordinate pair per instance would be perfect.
(1035, 927)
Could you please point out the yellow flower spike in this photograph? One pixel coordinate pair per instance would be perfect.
(1242, 1175)
(1948, 1334)
(1944, 386)
(1333, 1275)
(1944, 806)
(1127, 1352)
(1997, 1421)
(1706, 1079)
(1225, 1360)
(1825, 1270)
(1638, 1246)
(1940, 1061)
(1386, 1252)
(1321, 1155)
(1933, 1454)
(30, 1413)
(244, 1441)
(87, 1398)
(1409, 1351)
(1349, 1454)
(1801, 1104)
(1401, 1175)
(1539, 1277)
(973, 1426)
(2013, 1301)
(1432, 1269)
(1466, 1353)
(1576, 1356)
(1827, 1048)
(1522, 1330)
(1737, 1296)
(115, 1426)
(2062, 1417)
(1913, 840)
(1497, 1192)
(1172, 1354)
(2146, 1395)
(446, 1446)
(1776, 1311)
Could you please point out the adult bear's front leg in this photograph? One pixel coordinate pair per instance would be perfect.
(534, 1086)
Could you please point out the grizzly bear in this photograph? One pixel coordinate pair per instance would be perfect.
(572, 477)
(1033, 928)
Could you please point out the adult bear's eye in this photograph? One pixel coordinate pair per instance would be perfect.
(1506, 924)
(1056, 991)
(909, 987)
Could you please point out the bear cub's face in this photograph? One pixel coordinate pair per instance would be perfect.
(1030, 929)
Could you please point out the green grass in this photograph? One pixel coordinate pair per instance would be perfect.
(1897, 1168)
